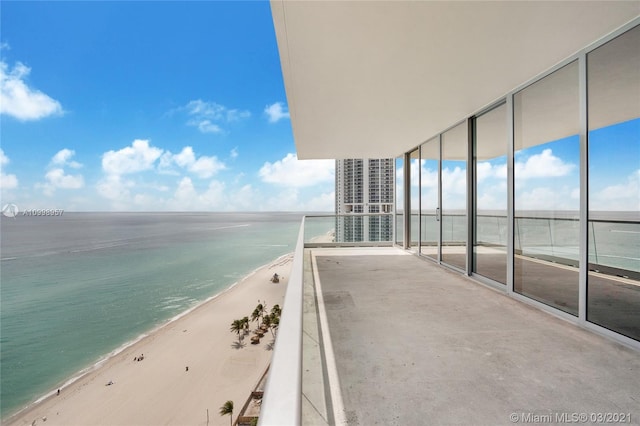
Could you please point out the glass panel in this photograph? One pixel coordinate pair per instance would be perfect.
(490, 221)
(320, 229)
(399, 201)
(547, 190)
(415, 198)
(429, 184)
(613, 287)
(454, 196)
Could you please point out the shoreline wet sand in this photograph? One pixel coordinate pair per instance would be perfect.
(160, 389)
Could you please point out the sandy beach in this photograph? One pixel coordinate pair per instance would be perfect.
(159, 390)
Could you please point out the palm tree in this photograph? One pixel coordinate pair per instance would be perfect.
(276, 310)
(267, 321)
(237, 326)
(275, 322)
(227, 408)
(274, 318)
(245, 324)
(257, 314)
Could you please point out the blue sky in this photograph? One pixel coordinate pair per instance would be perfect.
(149, 106)
(180, 106)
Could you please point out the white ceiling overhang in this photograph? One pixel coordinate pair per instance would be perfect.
(372, 79)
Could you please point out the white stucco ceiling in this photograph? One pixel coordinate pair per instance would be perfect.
(370, 79)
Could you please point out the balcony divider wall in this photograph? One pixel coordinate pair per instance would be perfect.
(546, 187)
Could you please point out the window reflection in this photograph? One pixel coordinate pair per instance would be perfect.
(454, 196)
(613, 84)
(399, 201)
(490, 230)
(547, 190)
(429, 184)
(415, 198)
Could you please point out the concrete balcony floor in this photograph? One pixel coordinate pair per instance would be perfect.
(417, 344)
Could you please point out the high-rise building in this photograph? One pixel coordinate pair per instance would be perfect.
(364, 189)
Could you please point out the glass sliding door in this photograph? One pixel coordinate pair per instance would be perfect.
(454, 196)
(399, 226)
(429, 207)
(547, 189)
(414, 185)
(613, 282)
(490, 195)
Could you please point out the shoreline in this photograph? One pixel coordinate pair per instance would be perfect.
(253, 283)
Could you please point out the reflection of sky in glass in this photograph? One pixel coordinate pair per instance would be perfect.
(614, 167)
(399, 184)
(548, 175)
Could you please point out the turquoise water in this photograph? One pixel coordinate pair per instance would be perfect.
(76, 288)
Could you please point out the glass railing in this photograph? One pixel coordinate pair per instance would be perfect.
(614, 245)
(349, 229)
(298, 388)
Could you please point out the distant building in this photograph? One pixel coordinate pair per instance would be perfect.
(364, 186)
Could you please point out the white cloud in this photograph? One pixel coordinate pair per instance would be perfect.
(3, 158)
(185, 158)
(62, 158)
(542, 165)
(115, 188)
(6, 181)
(187, 198)
(292, 172)
(546, 198)
(205, 109)
(237, 115)
(205, 126)
(428, 178)
(486, 170)
(207, 115)
(138, 157)
(126, 194)
(298, 199)
(58, 179)
(624, 196)
(185, 192)
(454, 182)
(276, 112)
(19, 100)
(204, 167)
(322, 203)
(234, 153)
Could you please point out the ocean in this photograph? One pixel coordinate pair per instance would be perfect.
(78, 288)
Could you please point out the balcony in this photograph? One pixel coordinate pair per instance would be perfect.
(373, 334)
